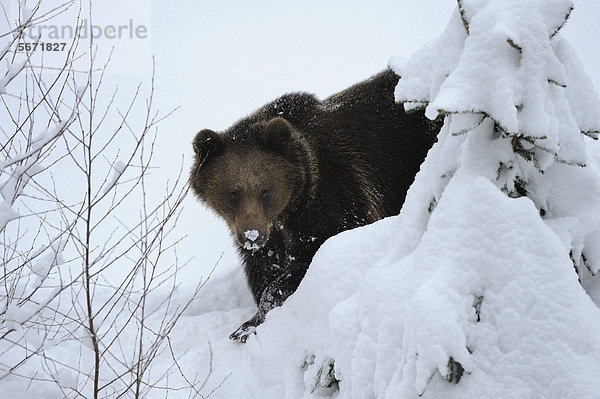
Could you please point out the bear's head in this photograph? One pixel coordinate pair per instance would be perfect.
(253, 176)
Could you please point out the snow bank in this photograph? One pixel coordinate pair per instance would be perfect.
(489, 284)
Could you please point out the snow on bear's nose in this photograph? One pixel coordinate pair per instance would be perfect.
(252, 239)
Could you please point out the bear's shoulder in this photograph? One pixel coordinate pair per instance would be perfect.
(377, 92)
(298, 108)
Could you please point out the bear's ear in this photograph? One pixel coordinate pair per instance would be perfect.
(276, 135)
(207, 143)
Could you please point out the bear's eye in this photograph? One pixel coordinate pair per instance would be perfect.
(234, 196)
(265, 195)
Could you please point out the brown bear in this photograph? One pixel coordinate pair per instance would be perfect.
(300, 170)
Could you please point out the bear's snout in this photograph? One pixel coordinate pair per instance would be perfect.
(251, 225)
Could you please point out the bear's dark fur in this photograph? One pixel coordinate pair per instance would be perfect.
(300, 170)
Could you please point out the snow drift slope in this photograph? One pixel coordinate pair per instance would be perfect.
(488, 284)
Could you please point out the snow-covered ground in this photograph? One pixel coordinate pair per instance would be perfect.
(482, 279)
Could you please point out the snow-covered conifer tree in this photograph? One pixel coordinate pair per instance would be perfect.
(520, 113)
(510, 76)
